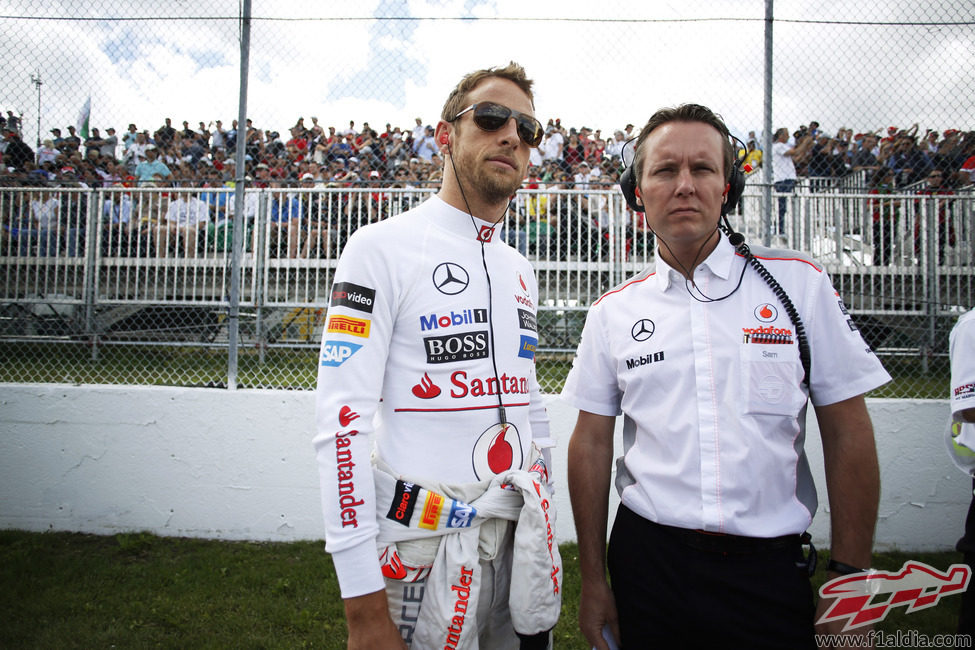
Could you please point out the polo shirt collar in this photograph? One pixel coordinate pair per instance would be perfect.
(718, 263)
(464, 225)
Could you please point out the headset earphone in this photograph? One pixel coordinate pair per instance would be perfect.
(736, 187)
(736, 180)
(445, 141)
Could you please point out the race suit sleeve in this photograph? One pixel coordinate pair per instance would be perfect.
(355, 346)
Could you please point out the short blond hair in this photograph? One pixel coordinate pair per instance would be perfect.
(457, 100)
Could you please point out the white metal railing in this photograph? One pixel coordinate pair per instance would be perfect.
(173, 246)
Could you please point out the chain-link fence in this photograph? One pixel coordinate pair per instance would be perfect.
(115, 110)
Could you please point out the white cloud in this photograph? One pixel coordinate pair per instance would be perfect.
(599, 64)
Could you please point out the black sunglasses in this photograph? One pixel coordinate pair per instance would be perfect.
(491, 117)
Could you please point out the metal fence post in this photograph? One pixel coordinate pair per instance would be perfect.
(233, 326)
(93, 220)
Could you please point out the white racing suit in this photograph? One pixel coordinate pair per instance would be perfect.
(431, 327)
(454, 578)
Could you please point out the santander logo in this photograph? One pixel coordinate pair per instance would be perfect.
(347, 415)
(426, 389)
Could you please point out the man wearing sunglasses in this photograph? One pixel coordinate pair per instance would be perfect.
(428, 409)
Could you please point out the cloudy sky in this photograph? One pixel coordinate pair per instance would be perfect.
(598, 63)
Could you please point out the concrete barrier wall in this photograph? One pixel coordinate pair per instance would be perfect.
(224, 464)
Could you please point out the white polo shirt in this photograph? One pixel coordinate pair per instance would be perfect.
(711, 392)
(961, 344)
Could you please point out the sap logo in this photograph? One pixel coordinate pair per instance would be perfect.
(527, 321)
(346, 294)
(335, 353)
(459, 347)
(527, 348)
(461, 515)
(645, 360)
(465, 317)
(345, 325)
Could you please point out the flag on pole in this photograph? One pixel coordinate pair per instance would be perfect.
(83, 117)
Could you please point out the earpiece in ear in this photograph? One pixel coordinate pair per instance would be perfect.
(445, 139)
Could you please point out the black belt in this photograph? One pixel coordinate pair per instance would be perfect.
(704, 540)
(725, 543)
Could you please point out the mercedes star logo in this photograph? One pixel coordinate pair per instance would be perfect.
(450, 278)
(642, 329)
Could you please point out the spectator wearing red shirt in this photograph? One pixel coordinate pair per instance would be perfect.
(934, 186)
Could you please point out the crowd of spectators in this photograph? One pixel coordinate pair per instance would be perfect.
(408, 157)
(314, 156)
(827, 158)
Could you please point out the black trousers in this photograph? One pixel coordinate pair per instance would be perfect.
(672, 592)
(966, 617)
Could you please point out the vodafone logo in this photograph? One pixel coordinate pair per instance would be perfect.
(485, 234)
(766, 313)
(497, 450)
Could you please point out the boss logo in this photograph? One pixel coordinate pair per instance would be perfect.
(459, 347)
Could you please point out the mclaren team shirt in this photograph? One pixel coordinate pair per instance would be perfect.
(406, 366)
(711, 391)
(961, 434)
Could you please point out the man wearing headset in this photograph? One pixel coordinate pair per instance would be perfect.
(428, 352)
(701, 357)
